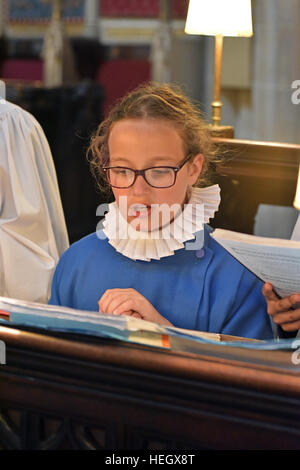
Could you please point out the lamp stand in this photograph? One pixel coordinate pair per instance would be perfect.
(215, 128)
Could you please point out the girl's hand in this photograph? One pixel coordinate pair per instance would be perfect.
(284, 312)
(130, 302)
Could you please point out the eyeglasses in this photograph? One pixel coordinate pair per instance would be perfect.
(156, 176)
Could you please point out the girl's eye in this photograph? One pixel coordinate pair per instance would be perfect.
(120, 171)
(160, 171)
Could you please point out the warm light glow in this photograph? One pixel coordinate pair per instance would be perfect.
(10, 331)
(226, 17)
(297, 196)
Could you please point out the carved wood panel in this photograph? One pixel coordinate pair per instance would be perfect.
(58, 393)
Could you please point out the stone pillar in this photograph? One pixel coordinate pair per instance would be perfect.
(265, 111)
(59, 64)
(161, 47)
(91, 14)
(187, 65)
(276, 62)
(177, 57)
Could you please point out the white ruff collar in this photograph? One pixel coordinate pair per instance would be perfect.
(156, 244)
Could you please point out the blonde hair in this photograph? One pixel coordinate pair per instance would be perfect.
(157, 101)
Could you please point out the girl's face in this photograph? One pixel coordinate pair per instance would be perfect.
(143, 143)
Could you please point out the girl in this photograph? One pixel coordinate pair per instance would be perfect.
(154, 257)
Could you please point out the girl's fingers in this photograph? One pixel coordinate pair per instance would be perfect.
(107, 298)
(127, 304)
(295, 300)
(109, 295)
(287, 317)
(293, 326)
(268, 292)
(282, 305)
(129, 313)
(115, 303)
(277, 305)
(136, 315)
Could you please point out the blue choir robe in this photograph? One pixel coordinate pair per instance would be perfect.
(204, 290)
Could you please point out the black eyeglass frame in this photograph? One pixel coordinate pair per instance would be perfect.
(142, 173)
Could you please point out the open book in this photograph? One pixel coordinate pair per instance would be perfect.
(52, 319)
(271, 259)
(120, 327)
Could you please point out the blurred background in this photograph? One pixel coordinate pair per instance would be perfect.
(97, 50)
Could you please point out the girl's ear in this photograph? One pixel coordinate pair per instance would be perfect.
(195, 167)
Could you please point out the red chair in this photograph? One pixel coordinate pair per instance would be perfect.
(22, 69)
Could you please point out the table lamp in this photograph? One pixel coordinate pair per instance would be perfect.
(297, 195)
(219, 18)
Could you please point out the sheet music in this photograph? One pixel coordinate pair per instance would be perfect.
(272, 260)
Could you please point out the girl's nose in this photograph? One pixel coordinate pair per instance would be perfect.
(140, 185)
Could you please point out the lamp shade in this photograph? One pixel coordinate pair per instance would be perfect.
(297, 196)
(213, 17)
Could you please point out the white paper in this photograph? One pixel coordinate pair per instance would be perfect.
(272, 260)
(296, 231)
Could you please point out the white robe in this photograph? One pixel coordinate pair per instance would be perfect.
(33, 232)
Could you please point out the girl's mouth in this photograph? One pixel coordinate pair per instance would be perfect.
(139, 210)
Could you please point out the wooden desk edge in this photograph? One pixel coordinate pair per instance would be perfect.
(203, 366)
